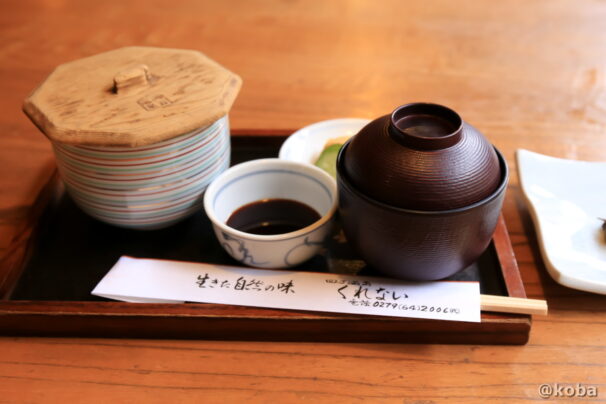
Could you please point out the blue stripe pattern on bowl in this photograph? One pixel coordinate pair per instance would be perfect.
(146, 187)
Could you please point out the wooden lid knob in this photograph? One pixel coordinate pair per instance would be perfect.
(136, 77)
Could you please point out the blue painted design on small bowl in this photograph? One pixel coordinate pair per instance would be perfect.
(241, 253)
(301, 249)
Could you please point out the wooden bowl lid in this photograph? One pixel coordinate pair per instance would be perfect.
(132, 96)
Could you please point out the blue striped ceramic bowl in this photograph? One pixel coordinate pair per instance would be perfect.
(147, 187)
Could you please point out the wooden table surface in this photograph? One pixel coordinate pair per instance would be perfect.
(529, 74)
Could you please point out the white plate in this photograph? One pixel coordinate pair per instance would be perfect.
(566, 200)
(306, 144)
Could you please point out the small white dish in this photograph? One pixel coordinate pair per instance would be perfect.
(257, 180)
(306, 144)
(567, 199)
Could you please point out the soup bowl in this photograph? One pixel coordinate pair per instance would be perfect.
(420, 192)
(415, 244)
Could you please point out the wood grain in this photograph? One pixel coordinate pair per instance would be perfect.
(527, 74)
(132, 97)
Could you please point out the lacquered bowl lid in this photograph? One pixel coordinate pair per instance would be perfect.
(422, 157)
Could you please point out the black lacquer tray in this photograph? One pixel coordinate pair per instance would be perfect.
(61, 254)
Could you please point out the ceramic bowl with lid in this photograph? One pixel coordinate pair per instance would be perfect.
(420, 192)
(138, 132)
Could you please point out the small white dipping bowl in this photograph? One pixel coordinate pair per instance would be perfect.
(265, 179)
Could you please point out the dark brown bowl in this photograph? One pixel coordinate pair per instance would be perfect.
(424, 157)
(414, 244)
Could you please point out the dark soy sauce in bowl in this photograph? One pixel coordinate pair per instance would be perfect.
(272, 216)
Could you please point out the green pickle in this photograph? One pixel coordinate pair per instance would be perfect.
(328, 159)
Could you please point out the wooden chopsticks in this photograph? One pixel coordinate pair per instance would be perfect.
(506, 304)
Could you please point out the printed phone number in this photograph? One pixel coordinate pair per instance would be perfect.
(406, 307)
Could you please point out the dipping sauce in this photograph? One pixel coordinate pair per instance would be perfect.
(422, 125)
(272, 216)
